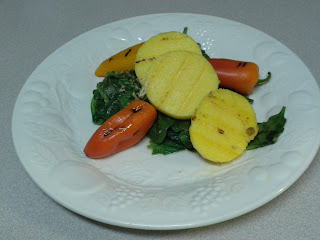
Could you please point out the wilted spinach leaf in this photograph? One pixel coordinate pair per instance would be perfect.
(249, 99)
(166, 147)
(158, 131)
(269, 131)
(113, 94)
(168, 135)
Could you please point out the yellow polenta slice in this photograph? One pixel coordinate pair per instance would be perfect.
(159, 45)
(177, 81)
(222, 126)
(240, 107)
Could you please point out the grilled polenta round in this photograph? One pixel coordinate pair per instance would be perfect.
(177, 81)
(222, 126)
(159, 45)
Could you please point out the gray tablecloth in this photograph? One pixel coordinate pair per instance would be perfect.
(31, 30)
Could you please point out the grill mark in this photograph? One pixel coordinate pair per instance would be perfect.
(128, 52)
(146, 59)
(108, 132)
(170, 85)
(215, 144)
(221, 131)
(173, 38)
(194, 86)
(135, 110)
(120, 126)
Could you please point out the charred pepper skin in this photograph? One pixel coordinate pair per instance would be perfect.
(123, 130)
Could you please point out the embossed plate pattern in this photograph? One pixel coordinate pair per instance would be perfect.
(52, 123)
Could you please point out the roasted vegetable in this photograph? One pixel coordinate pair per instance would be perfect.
(222, 126)
(122, 130)
(238, 76)
(159, 45)
(168, 135)
(122, 61)
(269, 131)
(114, 93)
(177, 81)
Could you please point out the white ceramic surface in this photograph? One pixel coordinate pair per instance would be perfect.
(52, 123)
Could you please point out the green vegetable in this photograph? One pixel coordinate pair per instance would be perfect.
(269, 131)
(249, 100)
(204, 54)
(185, 30)
(113, 94)
(181, 131)
(158, 131)
(165, 148)
(168, 135)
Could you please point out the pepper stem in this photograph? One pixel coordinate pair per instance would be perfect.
(265, 80)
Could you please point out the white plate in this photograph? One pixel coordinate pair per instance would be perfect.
(52, 123)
